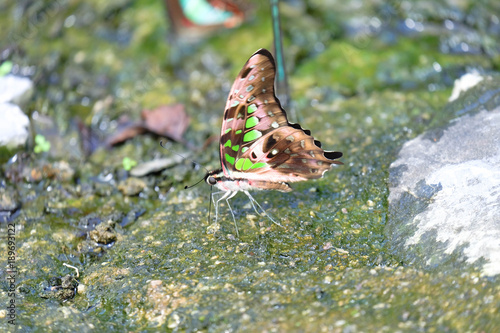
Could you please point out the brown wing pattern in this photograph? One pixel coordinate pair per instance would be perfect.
(256, 137)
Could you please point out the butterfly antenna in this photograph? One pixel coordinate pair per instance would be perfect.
(187, 159)
(183, 157)
(199, 181)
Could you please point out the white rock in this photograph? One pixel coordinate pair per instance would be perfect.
(464, 83)
(446, 190)
(13, 125)
(14, 88)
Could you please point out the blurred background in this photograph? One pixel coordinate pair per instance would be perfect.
(94, 63)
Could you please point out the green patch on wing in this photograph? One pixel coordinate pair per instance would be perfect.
(239, 163)
(247, 164)
(252, 135)
(229, 159)
(251, 108)
(251, 122)
(258, 165)
(244, 164)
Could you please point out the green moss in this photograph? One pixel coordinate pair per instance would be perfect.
(350, 68)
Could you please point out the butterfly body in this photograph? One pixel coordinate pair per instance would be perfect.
(238, 182)
(259, 148)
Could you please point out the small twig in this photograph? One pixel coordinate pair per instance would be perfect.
(76, 269)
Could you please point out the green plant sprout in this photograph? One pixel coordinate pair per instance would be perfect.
(128, 163)
(41, 144)
(5, 68)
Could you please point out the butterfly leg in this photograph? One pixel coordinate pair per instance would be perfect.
(231, 210)
(216, 204)
(254, 202)
(227, 195)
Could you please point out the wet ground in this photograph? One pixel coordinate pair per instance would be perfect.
(365, 78)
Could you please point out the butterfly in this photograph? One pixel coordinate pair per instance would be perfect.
(193, 19)
(259, 149)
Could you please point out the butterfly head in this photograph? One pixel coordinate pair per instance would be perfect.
(213, 177)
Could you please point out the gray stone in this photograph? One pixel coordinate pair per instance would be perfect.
(444, 197)
(132, 186)
(9, 203)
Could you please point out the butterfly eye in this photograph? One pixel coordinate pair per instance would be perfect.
(212, 181)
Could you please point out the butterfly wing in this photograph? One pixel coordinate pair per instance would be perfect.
(256, 137)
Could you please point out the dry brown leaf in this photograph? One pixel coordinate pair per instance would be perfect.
(167, 120)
